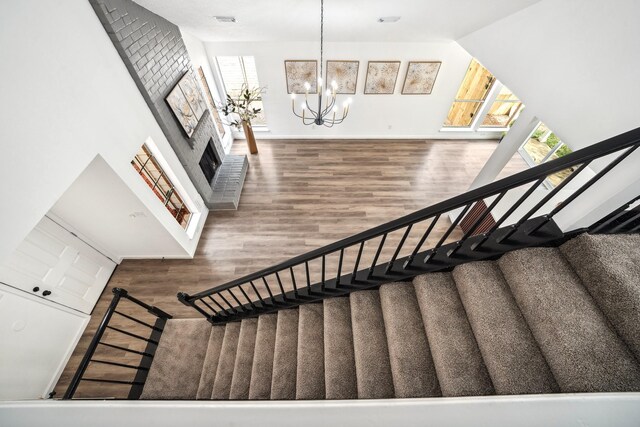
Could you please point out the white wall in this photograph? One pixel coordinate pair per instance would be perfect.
(66, 98)
(560, 410)
(371, 116)
(198, 55)
(574, 63)
(99, 205)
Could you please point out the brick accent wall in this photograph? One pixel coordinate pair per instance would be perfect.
(156, 56)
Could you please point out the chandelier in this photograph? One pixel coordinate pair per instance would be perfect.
(327, 112)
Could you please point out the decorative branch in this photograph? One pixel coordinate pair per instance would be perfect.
(238, 109)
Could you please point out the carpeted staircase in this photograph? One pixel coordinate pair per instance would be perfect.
(539, 320)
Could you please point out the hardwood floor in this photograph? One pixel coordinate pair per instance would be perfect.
(299, 195)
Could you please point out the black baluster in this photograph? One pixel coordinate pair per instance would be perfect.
(376, 256)
(397, 252)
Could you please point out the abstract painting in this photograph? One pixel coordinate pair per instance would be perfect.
(182, 110)
(211, 102)
(381, 77)
(345, 74)
(300, 71)
(420, 78)
(193, 94)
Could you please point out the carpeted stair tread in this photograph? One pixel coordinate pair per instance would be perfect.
(412, 369)
(177, 365)
(285, 359)
(457, 359)
(339, 360)
(241, 380)
(509, 351)
(609, 267)
(263, 357)
(310, 369)
(373, 368)
(210, 365)
(583, 351)
(226, 363)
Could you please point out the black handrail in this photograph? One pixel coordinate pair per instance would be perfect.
(143, 368)
(628, 141)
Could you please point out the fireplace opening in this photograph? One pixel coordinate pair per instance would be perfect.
(209, 162)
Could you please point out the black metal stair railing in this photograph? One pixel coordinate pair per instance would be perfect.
(151, 341)
(527, 220)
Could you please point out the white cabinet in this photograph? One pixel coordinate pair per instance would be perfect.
(54, 264)
(37, 338)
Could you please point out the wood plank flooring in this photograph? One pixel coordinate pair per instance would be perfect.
(299, 195)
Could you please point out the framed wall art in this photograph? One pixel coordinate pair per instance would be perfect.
(187, 103)
(420, 77)
(345, 74)
(381, 77)
(211, 103)
(298, 72)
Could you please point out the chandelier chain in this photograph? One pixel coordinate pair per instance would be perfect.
(321, 36)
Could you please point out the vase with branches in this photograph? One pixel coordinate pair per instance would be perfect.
(239, 111)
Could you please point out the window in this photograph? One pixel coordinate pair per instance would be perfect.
(237, 71)
(471, 108)
(150, 170)
(471, 95)
(544, 145)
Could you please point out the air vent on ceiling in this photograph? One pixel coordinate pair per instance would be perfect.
(386, 19)
(225, 18)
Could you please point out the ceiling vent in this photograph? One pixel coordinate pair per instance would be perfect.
(228, 19)
(387, 19)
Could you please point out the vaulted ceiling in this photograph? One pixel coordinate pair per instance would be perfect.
(345, 20)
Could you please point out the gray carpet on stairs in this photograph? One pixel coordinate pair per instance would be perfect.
(412, 369)
(457, 358)
(509, 350)
(609, 267)
(262, 369)
(584, 353)
(285, 359)
(310, 368)
(241, 380)
(373, 369)
(339, 360)
(226, 363)
(178, 361)
(210, 366)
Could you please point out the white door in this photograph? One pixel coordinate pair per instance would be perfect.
(37, 338)
(54, 264)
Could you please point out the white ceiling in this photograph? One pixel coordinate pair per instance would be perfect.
(345, 20)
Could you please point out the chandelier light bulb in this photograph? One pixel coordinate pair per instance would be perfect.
(307, 86)
(349, 101)
(335, 110)
(293, 96)
(303, 106)
(328, 92)
(320, 81)
(334, 84)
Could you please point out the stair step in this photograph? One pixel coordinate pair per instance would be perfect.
(457, 359)
(177, 365)
(339, 360)
(310, 369)
(210, 365)
(224, 373)
(509, 351)
(373, 368)
(285, 359)
(412, 368)
(609, 267)
(262, 369)
(241, 380)
(585, 354)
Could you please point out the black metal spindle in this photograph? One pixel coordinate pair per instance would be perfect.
(283, 293)
(293, 282)
(476, 224)
(224, 310)
(376, 256)
(137, 321)
(323, 272)
(121, 365)
(128, 350)
(236, 299)
(421, 242)
(398, 249)
(258, 294)
(266, 285)
(244, 294)
(355, 267)
(444, 237)
(339, 267)
(306, 269)
(612, 217)
(624, 224)
(213, 310)
(132, 335)
(541, 203)
(233, 309)
(101, 380)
